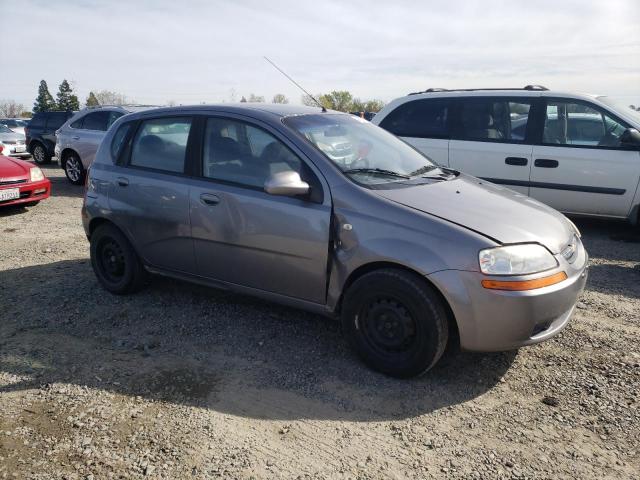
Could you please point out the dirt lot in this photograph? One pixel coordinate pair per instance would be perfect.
(184, 382)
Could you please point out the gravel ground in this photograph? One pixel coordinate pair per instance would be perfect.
(180, 381)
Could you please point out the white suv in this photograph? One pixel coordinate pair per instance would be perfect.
(577, 153)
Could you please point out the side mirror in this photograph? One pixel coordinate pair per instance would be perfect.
(630, 138)
(287, 183)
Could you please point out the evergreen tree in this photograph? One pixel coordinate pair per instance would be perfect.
(66, 100)
(44, 101)
(92, 101)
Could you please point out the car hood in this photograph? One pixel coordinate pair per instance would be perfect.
(494, 211)
(11, 168)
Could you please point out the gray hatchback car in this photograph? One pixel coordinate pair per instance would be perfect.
(252, 198)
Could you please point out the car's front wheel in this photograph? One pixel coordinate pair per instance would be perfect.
(396, 322)
(73, 169)
(115, 262)
(40, 155)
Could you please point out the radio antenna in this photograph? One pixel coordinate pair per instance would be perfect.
(297, 85)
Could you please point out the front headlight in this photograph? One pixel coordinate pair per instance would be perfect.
(575, 229)
(36, 174)
(516, 259)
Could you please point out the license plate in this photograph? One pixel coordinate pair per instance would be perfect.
(20, 148)
(9, 194)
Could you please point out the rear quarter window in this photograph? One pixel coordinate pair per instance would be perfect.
(118, 140)
(424, 118)
(37, 121)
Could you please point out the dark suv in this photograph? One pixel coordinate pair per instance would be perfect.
(41, 134)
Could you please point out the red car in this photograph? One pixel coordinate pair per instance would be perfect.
(21, 183)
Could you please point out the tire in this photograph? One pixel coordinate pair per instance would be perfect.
(40, 155)
(73, 169)
(395, 322)
(115, 262)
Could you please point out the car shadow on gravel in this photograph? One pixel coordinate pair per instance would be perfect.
(60, 186)
(615, 279)
(176, 342)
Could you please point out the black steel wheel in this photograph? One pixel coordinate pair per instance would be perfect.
(396, 322)
(115, 262)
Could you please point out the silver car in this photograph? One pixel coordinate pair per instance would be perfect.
(78, 139)
(12, 144)
(408, 254)
(14, 124)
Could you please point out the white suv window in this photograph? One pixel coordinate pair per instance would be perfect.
(424, 118)
(580, 124)
(492, 119)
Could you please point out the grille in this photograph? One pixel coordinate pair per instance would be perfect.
(12, 182)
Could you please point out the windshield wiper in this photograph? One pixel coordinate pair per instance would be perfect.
(379, 171)
(423, 169)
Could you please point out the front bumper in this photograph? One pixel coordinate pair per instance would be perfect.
(29, 192)
(495, 320)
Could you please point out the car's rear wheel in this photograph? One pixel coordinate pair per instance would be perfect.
(396, 322)
(115, 262)
(73, 169)
(40, 155)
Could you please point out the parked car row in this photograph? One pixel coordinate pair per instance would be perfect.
(41, 134)
(328, 212)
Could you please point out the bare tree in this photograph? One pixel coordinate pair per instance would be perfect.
(10, 108)
(107, 97)
(279, 98)
(256, 98)
(308, 101)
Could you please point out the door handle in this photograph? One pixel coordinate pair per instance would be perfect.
(209, 199)
(123, 182)
(546, 163)
(519, 161)
(75, 138)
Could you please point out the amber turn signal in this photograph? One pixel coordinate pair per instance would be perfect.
(521, 285)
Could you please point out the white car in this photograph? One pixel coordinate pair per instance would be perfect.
(12, 144)
(580, 154)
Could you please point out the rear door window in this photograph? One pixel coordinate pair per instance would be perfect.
(161, 144)
(96, 121)
(78, 123)
(424, 118)
(492, 119)
(113, 116)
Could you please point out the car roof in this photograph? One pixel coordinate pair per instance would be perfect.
(498, 92)
(275, 109)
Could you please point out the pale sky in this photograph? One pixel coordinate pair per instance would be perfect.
(193, 51)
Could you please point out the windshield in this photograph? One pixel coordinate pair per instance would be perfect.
(4, 129)
(364, 152)
(623, 106)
